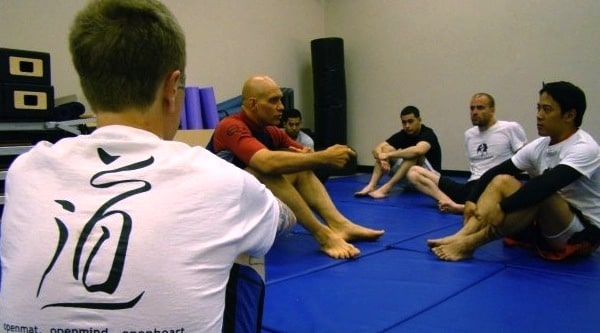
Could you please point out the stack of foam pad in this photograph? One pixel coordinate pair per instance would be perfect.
(329, 88)
(26, 93)
(200, 108)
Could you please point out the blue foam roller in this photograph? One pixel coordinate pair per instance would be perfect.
(210, 116)
(193, 108)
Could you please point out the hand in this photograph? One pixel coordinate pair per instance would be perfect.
(385, 165)
(492, 216)
(338, 155)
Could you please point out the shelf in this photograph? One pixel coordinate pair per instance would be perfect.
(70, 126)
(17, 147)
(13, 150)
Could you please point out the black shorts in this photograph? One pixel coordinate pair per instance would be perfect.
(458, 192)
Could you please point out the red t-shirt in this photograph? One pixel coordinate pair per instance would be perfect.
(241, 136)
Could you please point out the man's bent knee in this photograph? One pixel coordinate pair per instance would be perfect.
(415, 173)
(267, 179)
(505, 182)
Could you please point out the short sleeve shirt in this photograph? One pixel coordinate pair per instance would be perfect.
(127, 231)
(401, 140)
(492, 146)
(580, 152)
(242, 137)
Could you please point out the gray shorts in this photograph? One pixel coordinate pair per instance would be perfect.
(404, 183)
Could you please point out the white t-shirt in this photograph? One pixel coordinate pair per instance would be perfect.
(493, 146)
(305, 140)
(581, 152)
(120, 231)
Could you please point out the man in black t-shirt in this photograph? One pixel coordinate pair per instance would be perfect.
(415, 144)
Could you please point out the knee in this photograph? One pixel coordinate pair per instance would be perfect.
(304, 175)
(388, 149)
(552, 202)
(270, 180)
(414, 173)
(505, 182)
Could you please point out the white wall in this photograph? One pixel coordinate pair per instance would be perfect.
(431, 53)
(436, 53)
(227, 41)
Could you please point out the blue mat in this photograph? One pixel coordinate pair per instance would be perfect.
(369, 294)
(398, 285)
(516, 300)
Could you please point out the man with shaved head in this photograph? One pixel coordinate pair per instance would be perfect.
(252, 141)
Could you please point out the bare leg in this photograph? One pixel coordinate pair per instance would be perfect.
(427, 182)
(372, 185)
(477, 230)
(317, 198)
(329, 241)
(471, 225)
(499, 188)
(555, 215)
(385, 189)
(464, 247)
(450, 207)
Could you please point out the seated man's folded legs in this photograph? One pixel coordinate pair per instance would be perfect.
(315, 195)
(332, 243)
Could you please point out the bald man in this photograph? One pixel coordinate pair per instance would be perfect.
(488, 143)
(252, 141)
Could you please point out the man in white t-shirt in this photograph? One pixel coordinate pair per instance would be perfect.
(557, 209)
(488, 143)
(124, 230)
(291, 120)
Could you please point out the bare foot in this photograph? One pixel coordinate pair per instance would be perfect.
(351, 231)
(432, 243)
(365, 191)
(450, 207)
(378, 194)
(337, 248)
(454, 251)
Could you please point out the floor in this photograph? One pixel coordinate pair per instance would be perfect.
(398, 285)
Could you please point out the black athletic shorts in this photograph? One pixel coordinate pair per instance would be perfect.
(458, 192)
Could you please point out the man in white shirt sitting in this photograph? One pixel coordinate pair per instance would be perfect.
(291, 120)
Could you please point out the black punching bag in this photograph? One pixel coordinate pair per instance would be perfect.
(329, 88)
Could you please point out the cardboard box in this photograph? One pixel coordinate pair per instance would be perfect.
(198, 137)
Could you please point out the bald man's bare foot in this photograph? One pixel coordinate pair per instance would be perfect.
(450, 207)
(351, 231)
(337, 248)
(378, 194)
(365, 191)
(453, 251)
